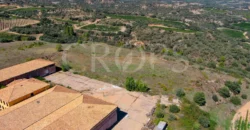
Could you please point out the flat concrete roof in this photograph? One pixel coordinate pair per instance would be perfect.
(56, 108)
(20, 88)
(16, 70)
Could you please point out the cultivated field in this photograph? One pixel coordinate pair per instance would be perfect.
(101, 28)
(7, 24)
(243, 26)
(169, 28)
(147, 19)
(232, 33)
(18, 52)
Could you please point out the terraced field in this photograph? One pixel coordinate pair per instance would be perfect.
(7, 37)
(243, 26)
(7, 24)
(172, 29)
(101, 28)
(232, 33)
(147, 19)
(67, 21)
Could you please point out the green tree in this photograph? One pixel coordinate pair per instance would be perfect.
(79, 41)
(170, 52)
(65, 66)
(174, 109)
(215, 98)
(235, 100)
(199, 98)
(135, 85)
(244, 96)
(234, 87)
(204, 121)
(130, 84)
(222, 59)
(224, 92)
(180, 93)
(211, 65)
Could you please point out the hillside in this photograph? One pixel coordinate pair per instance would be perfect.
(196, 51)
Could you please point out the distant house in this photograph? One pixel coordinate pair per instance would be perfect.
(20, 90)
(34, 68)
(59, 108)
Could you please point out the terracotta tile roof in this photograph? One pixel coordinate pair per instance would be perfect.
(20, 88)
(84, 117)
(23, 68)
(57, 108)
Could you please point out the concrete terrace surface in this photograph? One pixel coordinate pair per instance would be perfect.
(136, 105)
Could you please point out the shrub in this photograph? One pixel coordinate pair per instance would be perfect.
(248, 68)
(233, 86)
(211, 65)
(197, 126)
(1, 86)
(204, 121)
(130, 84)
(199, 98)
(174, 109)
(163, 106)
(215, 98)
(235, 100)
(201, 68)
(59, 47)
(41, 78)
(244, 96)
(160, 114)
(65, 67)
(180, 93)
(141, 87)
(191, 115)
(133, 85)
(170, 53)
(224, 92)
(172, 117)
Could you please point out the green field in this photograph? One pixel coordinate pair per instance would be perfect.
(175, 29)
(66, 21)
(244, 26)
(6, 37)
(101, 28)
(232, 33)
(214, 10)
(147, 19)
(30, 9)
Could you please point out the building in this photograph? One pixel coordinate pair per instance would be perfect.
(34, 68)
(59, 108)
(20, 90)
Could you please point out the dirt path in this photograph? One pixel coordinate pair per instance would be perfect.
(242, 112)
(38, 36)
(158, 25)
(89, 23)
(76, 27)
(245, 34)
